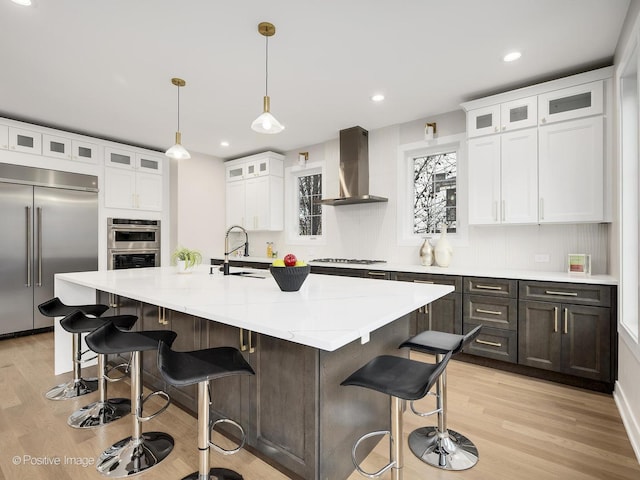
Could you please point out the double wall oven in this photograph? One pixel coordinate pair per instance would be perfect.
(132, 243)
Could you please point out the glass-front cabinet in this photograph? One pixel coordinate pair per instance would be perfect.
(521, 113)
(569, 103)
(85, 151)
(25, 141)
(483, 121)
(56, 147)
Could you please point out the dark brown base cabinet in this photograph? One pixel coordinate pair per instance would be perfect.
(571, 339)
(294, 411)
(445, 314)
(567, 328)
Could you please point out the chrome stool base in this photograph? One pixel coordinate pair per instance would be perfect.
(448, 452)
(216, 474)
(73, 389)
(97, 414)
(129, 456)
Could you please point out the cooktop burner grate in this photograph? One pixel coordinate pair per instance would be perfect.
(347, 260)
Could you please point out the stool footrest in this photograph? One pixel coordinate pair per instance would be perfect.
(118, 367)
(424, 414)
(225, 451)
(160, 393)
(387, 467)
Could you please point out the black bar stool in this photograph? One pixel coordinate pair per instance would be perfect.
(78, 386)
(439, 446)
(201, 366)
(402, 379)
(105, 410)
(140, 451)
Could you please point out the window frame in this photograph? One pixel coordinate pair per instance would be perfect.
(405, 170)
(291, 204)
(629, 203)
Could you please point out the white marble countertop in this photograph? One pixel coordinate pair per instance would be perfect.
(535, 275)
(328, 312)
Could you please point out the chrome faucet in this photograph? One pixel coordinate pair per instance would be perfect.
(227, 252)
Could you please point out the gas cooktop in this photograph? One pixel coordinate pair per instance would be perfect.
(347, 260)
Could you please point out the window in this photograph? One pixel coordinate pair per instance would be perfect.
(304, 214)
(309, 210)
(434, 192)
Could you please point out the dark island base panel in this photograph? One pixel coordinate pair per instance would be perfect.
(571, 380)
(340, 414)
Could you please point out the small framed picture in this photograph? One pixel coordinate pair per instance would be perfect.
(580, 263)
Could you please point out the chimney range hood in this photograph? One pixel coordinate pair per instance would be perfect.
(354, 169)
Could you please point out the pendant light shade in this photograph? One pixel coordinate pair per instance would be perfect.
(178, 152)
(266, 123)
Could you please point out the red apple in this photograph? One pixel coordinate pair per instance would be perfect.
(290, 260)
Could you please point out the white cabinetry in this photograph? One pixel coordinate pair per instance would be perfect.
(132, 180)
(538, 154)
(4, 137)
(503, 178)
(25, 141)
(573, 102)
(255, 192)
(571, 171)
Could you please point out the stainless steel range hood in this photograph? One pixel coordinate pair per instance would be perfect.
(354, 169)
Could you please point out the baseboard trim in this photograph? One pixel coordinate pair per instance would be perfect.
(628, 419)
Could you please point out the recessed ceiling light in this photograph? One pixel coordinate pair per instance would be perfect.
(224, 144)
(25, 3)
(377, 97)
(510, 57)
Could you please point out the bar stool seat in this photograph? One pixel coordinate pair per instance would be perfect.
(105, 410)
(201, 366)
(77, 386)
(140, 451)
(437, 445)
(402, 379)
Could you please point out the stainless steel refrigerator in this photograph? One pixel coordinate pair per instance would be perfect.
(48, 225)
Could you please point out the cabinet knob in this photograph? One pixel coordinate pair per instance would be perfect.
(543, 120)
(496, 129)
(504, 127)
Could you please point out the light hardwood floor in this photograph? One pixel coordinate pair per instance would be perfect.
(524, 428)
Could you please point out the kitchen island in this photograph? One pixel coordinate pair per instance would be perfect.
(301, 345)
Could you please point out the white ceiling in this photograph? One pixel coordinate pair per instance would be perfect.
(104, 67)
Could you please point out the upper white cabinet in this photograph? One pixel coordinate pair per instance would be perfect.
(483, 121)
(538, 154)
(569, 103)
(25, 141)
(571, 171)
(85, 151)
(55, 146)
(521, 113)
(132, 180)
(255, 192)
(4, 137)
(503, 178)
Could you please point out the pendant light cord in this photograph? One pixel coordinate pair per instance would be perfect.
(178, 108)
(266, 68)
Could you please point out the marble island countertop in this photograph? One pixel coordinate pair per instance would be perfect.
(327, 313)
(518, 274)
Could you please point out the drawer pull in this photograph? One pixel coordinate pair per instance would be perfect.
(562, 294)
(376, 274)
(491, 344)
(424, 281)
(555, 319)
(566, 320)
(488, 287)
(489, 312)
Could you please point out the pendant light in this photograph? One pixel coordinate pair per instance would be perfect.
(178, 152)
(266, 123)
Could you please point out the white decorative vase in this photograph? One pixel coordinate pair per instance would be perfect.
(443, 250)
(181, 266)
(426, 253)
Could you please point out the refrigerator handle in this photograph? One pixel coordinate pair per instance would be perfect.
(28, 246)
(39, 215)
